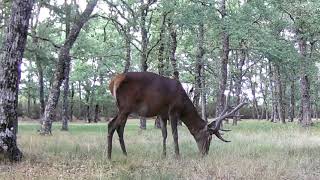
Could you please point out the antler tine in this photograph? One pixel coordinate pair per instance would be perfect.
(219, 119)
(220, 137)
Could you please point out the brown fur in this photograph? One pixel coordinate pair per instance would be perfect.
(148, 95)
(115, 83)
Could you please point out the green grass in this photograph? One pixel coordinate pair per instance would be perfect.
(259, 150)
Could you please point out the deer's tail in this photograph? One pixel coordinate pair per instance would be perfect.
(115, 83)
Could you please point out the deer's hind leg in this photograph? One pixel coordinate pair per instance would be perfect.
(117, 123)
(120, 131)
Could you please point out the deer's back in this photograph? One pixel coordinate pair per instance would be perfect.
(149, 94)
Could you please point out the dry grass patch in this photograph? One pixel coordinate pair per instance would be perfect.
(259, 150)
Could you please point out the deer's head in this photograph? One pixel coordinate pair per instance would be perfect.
(204, 137)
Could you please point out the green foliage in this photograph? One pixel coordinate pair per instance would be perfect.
(266, 27)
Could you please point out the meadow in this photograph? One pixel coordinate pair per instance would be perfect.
(259, 150)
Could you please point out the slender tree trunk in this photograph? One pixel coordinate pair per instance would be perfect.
(128, 50)
(281, 107)
(161, 59)
(60, 68)
(10, 58)
(29, 93)
(292, 101)
(264, 91)
(87, 97)
(238, 78)
(71, 101)
(253, 85)
(223, 61)
(274, 114)
(144, 48)
(304, 85)
(65, 101)
(173, 48)
(96, 113)
(203, 98)
(41, 85)
(199, 65)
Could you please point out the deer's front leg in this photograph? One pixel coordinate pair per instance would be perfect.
(174, 126)
(163, 123)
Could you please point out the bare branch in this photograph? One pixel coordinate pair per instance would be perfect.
(44, 39)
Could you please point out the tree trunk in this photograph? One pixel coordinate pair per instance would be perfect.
(281, 107)
(264, 91)
(87, 97)
(292, 101)
(59, 74)
(161, 60)
(238, 78)
(128, 50)
(256, 114)
(10, 58)
(96, 113)
(223, 62)
(203, 98)
(144, 48)
(80, 101)
(41, 85)
(29, 93)
(65, 101)
(199, 65)
(173, 48)
(304, 85)
(71, 101)
(274, 114)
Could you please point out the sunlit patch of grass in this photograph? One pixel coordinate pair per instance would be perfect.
(259, 150)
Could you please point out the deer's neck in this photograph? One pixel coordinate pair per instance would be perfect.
(192, 120)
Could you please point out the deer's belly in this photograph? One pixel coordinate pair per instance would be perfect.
(146, 110)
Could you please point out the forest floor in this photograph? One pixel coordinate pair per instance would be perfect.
(259, 150)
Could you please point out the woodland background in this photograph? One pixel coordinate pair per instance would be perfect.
(262, 51)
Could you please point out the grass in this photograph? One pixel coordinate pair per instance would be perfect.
(259, 150)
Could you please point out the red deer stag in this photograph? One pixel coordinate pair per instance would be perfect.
(148, 95)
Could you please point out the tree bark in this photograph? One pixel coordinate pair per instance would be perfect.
(264, 91)
(65, 101)
(199, 65)
(71, 101)
(59, 74)
(10, 57)
(144, 48)
(255, 111)
(173, 48)
(220, 103)
(128, 50)
(161, 59)
(281, 107)
(292, 101)
(96, 113)
(238, 78)
(80, 100)
(41, 85)
(304, 85)
(274, 110)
